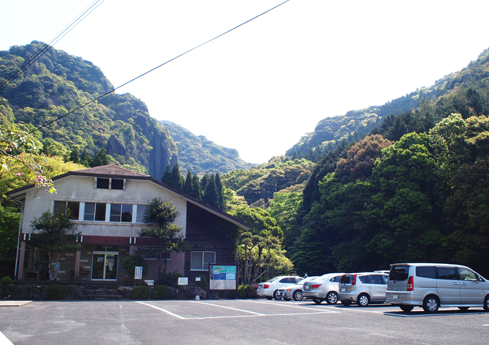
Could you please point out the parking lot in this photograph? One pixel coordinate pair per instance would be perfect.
(235, 322)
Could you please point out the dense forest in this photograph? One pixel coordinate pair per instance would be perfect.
(414, 189)
(405, 181)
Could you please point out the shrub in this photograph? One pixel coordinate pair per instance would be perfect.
(140, 292)
(160, 292)
(56, 292)
(247, 291)
(169, 279)
(204, 284)
(131, 261)
(6, 281)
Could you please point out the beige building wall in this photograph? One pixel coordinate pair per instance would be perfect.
(83, 189)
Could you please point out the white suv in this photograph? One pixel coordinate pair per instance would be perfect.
(270, 288)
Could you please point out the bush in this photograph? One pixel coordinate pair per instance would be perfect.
(160, 292)
(204, 284)
(247, 291)
(6, 281)
(139, 292)
(131, 261)
(56, 292)
(169, 279)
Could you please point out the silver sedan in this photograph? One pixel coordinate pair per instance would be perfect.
(324, 288)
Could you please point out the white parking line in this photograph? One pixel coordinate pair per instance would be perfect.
(235, 316)
(221, 306)
(164, 310)
(4, 340)
(294, 306)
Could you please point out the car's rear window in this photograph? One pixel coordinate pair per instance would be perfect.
(345, 279)
(399, 273)
(426, 272)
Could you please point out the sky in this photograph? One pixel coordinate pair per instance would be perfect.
(261, 87)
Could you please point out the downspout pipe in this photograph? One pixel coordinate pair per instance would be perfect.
(18, 241)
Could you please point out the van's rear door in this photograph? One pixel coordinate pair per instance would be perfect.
(398, 278)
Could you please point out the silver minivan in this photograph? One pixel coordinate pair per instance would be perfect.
(431, 286)
(362, 288)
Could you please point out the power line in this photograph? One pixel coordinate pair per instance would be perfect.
(49, 45)
(155, 68)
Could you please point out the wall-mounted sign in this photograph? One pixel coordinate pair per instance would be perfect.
(182, 280)
(138, 272)
(223, 277)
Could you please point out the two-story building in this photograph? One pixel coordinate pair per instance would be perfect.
(107, 204)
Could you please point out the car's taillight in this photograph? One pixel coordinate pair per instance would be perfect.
(266, 286)
(387, 285)
(354, 281)
(315, 286)
(410, 284)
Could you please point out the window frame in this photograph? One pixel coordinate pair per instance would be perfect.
(203, 267)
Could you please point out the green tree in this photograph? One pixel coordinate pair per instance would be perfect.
(101, 158)
(85, 159)
(17, 146)
(176, 178)
(167, 176)
(405, 209)
(74, 156)
(196, 187)
(160, 216)
(188, 183)
(56, 233)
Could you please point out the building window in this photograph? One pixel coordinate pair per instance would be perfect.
(140, 213)
(110, 183)
(102, 183)
(199, 261)
(117, 184)
(71, 208)
(121, 213)
(94, 211)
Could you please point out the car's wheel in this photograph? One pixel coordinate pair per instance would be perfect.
(317, 300)
(363, 300)
(275, 296)
(431, 304)
(486, 303)
(463, 308)
(332, 297)
(406, 308)
(346, 303)
(298, 295)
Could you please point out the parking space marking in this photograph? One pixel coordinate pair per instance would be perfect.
(294, 306)
(221, 306)
(164, 310)
(235, 316)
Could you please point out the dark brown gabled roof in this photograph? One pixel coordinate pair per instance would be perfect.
(110, 169)
(115, 171)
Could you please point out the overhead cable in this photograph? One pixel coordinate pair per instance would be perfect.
(155, 68)
(49, 45)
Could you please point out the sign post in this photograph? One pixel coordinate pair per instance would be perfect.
(138, 273)
(223, 278)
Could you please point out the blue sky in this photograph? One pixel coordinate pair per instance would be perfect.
(261, 87)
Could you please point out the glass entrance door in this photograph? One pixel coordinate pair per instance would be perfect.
(105, 263)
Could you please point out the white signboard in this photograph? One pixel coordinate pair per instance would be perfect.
(150, 282)
(138, 272)
(182, 280)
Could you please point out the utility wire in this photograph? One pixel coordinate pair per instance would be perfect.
(155, 68)
(49, 45)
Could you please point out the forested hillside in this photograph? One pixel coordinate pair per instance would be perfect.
(58, 83)
(414, 189)
(199, 155)
(354, 125)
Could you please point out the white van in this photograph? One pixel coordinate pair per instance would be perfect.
(431, 286)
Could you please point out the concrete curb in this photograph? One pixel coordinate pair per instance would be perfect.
(13, 303)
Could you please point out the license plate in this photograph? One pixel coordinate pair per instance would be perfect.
(343, 289)
(395, 296)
